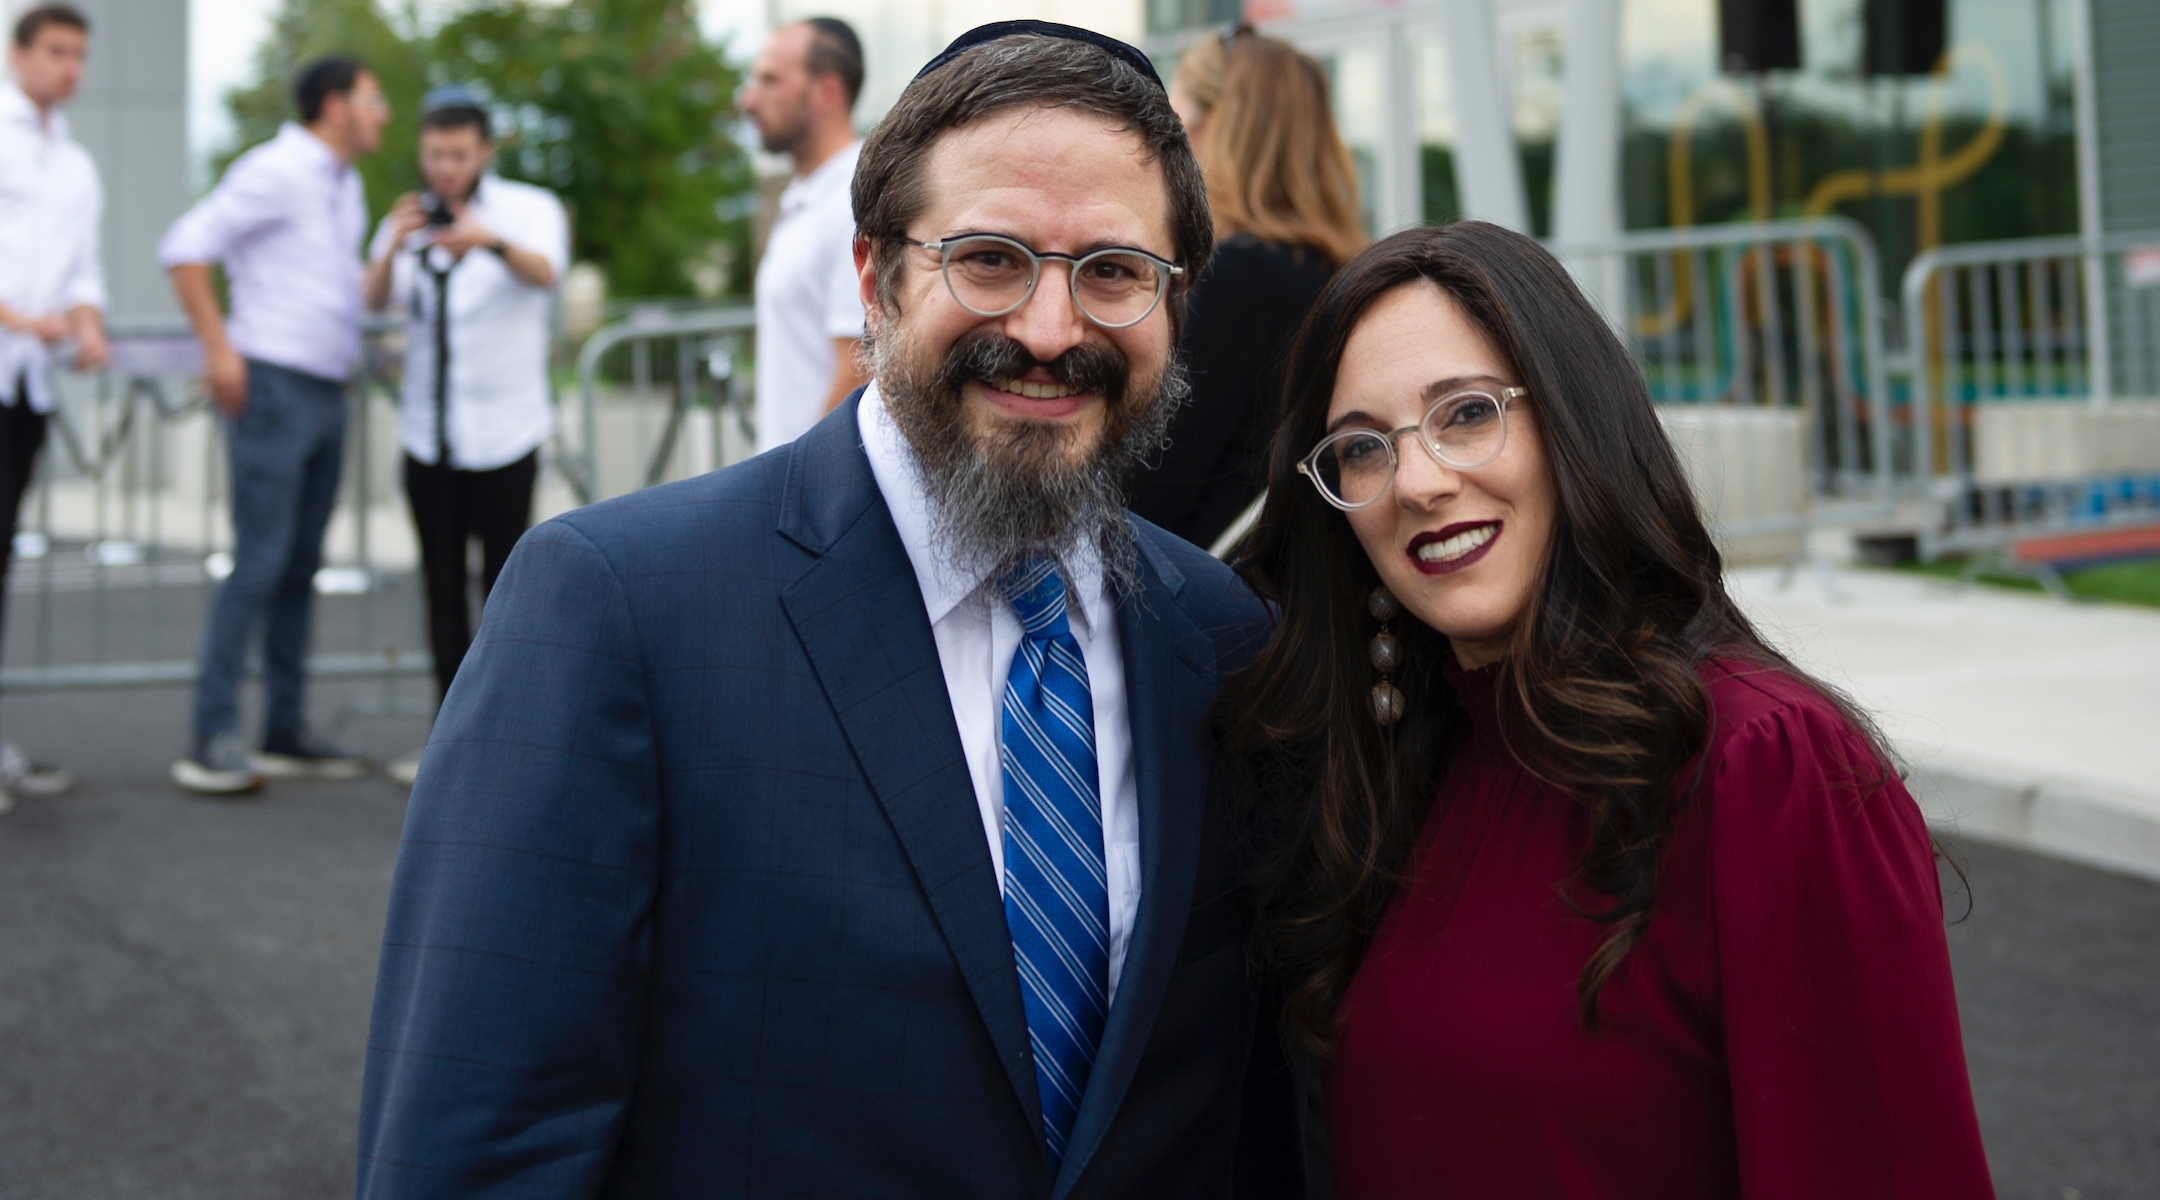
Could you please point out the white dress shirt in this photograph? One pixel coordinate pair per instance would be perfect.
(807, 298)
(286, 221)
(500, 402)
(977, 633)
(50, 203)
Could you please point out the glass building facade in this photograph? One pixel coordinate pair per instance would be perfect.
(1983, 148)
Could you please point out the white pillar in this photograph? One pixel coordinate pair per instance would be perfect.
(2100, 363)
(1586, 177)
(1488, 173)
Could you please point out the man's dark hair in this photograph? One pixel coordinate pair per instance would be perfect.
(835, 50)
(459, 116)
(67, 16)
(1026, 71)
(322, 79)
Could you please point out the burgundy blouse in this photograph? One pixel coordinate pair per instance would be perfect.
(1784, 1030)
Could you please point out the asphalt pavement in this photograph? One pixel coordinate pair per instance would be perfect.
(184, 983)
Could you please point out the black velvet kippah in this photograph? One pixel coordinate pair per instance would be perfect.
(1127, 54)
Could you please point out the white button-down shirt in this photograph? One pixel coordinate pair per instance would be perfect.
(977, 634)
(807, 298)
(500, 403)
(50, 203)
(286, 221)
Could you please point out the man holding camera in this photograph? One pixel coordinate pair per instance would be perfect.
(472, 264)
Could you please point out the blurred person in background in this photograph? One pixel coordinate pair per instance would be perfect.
(287, 222)
(1284, 194)
(471, 264)
(801, 96)
(52, 289)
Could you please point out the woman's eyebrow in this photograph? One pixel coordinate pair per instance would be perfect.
(1441, 387)
(1353, 417)
(1438, 387)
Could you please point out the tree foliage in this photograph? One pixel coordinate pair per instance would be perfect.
(622, 107)
(305, 30)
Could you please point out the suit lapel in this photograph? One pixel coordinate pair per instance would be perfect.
(1169, 673)
(858, 612)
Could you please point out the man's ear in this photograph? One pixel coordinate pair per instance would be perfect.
(828, 94)
(866, 276)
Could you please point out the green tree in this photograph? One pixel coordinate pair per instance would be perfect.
(305, 30)
(623, 108)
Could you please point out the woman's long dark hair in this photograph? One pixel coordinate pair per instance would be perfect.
(1599, 685)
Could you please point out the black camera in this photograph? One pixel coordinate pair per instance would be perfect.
(437, 209)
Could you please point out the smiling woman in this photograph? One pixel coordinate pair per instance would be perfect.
(1592, 893)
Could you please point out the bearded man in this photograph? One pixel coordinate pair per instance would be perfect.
(845, 823)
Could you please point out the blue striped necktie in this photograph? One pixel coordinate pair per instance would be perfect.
(1057, 898)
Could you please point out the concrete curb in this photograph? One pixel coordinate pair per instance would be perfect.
(2100, 823)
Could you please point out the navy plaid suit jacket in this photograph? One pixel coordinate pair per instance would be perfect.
(694, 899)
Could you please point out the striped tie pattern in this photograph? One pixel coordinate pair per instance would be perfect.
(1057, 897)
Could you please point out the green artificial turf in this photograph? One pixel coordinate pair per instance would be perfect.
(2133, 582)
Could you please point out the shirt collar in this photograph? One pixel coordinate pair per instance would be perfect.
(15, 105)
(834, 174)
(944, 586)
(316, 151)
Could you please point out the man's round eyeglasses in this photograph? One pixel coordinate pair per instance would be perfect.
(1465, 429)
(991, 275)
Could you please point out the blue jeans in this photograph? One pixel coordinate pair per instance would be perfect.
(286, 450)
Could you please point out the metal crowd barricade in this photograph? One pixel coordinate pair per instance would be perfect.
(127, 530)
(658, 399)
(2035, 367)
(1762, 345)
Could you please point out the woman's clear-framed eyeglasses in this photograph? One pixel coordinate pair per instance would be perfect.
(991, 275)
(1464, 429)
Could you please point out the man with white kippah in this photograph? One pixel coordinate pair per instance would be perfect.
(471, 263)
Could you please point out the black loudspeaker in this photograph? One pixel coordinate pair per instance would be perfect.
(1758, 35)
(1903, 37)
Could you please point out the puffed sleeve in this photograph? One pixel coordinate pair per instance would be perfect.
(1841, 1025)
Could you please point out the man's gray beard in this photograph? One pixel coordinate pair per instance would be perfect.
(1000, 498)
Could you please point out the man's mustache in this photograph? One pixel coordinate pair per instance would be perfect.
(988, 355)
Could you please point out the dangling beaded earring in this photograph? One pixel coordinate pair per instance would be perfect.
(1386, 655)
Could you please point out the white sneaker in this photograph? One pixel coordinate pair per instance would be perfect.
(220, 768)
(403, 771)
(25, 778)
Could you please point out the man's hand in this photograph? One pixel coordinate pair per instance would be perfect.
(92, 351)
(223, 368)
(226, 372)
(466, 236)
(87, 325)
(406, 219)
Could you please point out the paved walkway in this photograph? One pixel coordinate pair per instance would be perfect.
(184, 983)
(2024, 719)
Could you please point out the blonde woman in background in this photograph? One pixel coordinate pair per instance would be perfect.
(1285, 200)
